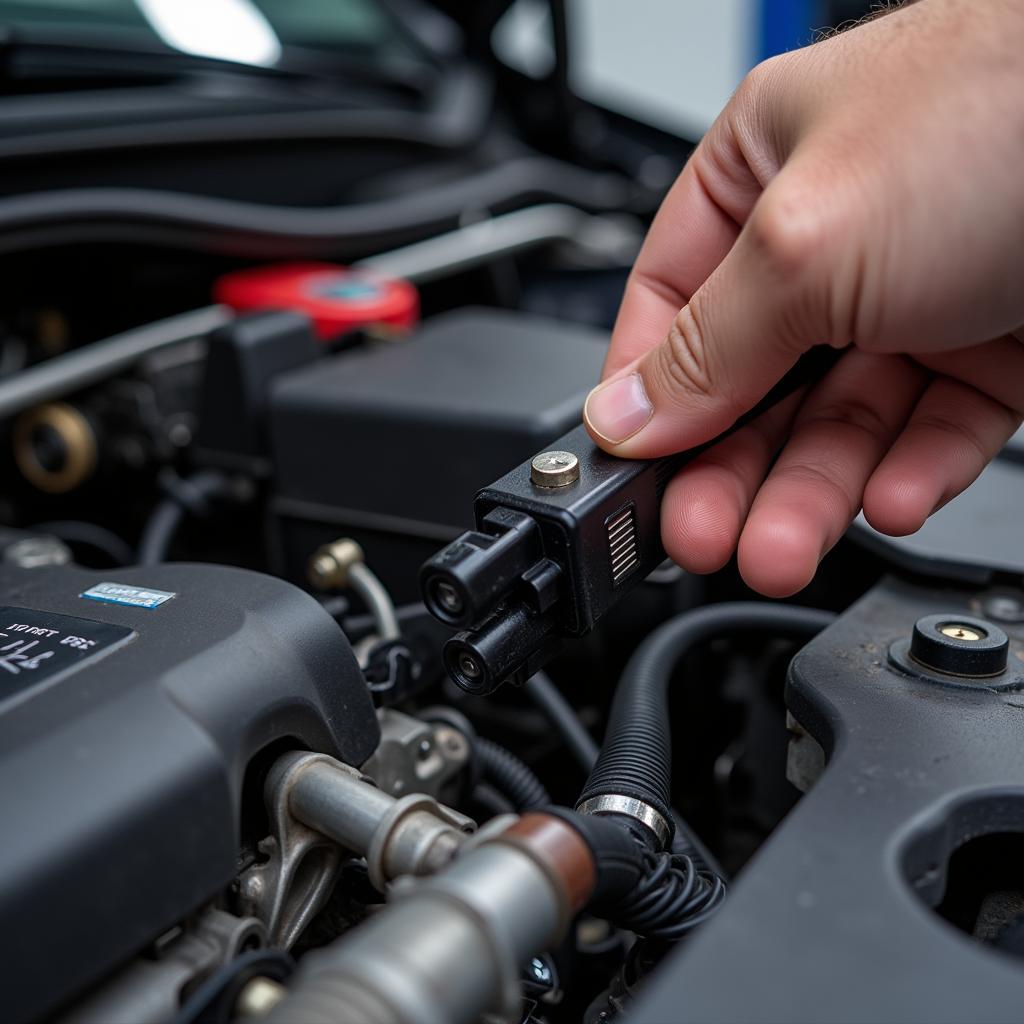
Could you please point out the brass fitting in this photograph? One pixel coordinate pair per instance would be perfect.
(77, 455)
(331, 564)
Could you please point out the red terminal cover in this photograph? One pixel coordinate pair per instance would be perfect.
(335, 298)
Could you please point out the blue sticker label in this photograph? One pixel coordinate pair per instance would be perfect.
(347, 289)
(123, 593)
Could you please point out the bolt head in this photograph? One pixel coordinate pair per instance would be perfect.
(555, 469)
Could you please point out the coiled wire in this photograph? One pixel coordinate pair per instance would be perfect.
(673, 896)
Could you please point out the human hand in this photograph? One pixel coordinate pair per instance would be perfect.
(865, 191)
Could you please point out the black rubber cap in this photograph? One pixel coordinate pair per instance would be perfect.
(959, 645)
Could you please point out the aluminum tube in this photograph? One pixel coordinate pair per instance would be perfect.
(448, 950)
(377, 600)
(420, 262)
(90, 363)
(505, 235)
(339, 805)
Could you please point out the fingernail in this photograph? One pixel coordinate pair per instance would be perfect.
(618, 409)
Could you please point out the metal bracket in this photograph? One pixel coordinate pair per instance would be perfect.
(288, 890)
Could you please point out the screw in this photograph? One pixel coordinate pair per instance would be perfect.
(555, 469)
(540, 971)
(258, 997)
(424, 748)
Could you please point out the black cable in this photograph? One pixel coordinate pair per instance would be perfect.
(636, 757)
(90, 535)
(673, 895)
(213, 1001)
(686, 842)
(545, 694)
(656, 894)
(159, 531)
(560, 713)
(510, 777)
(485, 796)
(274, 231)
(184, 495)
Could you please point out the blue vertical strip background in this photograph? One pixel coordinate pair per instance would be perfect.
(784, 25)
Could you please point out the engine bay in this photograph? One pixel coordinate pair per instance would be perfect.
(343, 679)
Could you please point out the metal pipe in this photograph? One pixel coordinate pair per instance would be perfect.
(451, 949)
(100, 359)
(424, 261)
(339, 805)
(377, 600)
(413, 835)
(505, 235)
(465, 247)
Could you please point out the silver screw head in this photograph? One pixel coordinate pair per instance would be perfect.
(555, 469)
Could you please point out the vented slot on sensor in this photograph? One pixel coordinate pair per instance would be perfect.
(621, 527)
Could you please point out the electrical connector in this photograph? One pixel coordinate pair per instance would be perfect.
(560, 540)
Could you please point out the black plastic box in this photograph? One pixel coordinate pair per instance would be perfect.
(390, 444)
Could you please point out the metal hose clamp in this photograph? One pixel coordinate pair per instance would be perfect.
(615, 803)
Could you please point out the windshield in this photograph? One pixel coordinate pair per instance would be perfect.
(246, 31)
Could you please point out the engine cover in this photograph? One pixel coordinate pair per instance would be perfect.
(131, 704)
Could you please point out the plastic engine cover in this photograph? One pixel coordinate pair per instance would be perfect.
(127, 721)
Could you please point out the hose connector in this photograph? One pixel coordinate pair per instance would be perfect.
(331, 564)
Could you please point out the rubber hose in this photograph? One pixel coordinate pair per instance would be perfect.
(159, 531)
(275, 231)
(489, 799)
(636, 757)
(560, 713)
(511, 777)
(188, 495)
(91, 535)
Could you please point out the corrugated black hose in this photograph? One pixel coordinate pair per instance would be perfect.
(663, 894)
(636, 757)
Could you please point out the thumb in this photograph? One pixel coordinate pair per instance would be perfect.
(784, 287)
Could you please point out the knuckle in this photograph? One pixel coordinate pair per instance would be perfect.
(683, 362)
(828, 490)
(750, 90)
(962, 439)
(790, 233)
(760, 79)
(851, 413)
